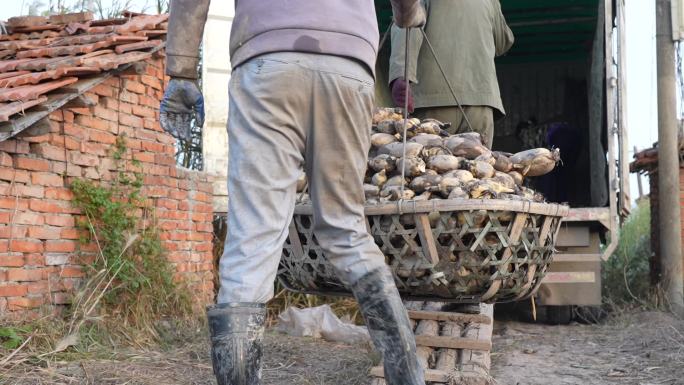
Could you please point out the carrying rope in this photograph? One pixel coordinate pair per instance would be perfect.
(407, 51)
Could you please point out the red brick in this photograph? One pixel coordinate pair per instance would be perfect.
(103, 90)
(14, 147)
(71, 170)
(11, 260)
(155, 169)
(13, 231)
(91, 173)
(65, 141)
(4, 217)
(91, 122)
(125, 108)
(59, 193)
(60, 220)
(9, 146)
(44, 206)
(166, 160)
(33, 164)
(47, 179)
(40, 138)
(133, 86)
(156, 191)
(204, 227)
(105, 113)
(18, 176)
(149, 101)
(102, 137)
(24, 275)
(143, 112)
(14, 304)
(95, 148)
(146, 135)
(77, 132)
(27, 218)
(167, 204)
(60, 246)
(30, 191)
(131, 121)
(81, 111)
(152, 146)
(36, 260)
(177, 194)
(6, 159)
(84, 159)
(41, 287)
(72, 272)
(26, 246)
(128, 97)
(144, 157)
(151, 81)
(68, 116)
(152, 124)
(44, 232)
(56, 116)
(69, 233)
(203, 247)
(13, 290)
(48, 151)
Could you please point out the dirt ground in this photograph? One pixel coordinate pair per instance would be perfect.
(645, 348)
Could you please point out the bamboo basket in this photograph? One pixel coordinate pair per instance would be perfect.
(458, 250)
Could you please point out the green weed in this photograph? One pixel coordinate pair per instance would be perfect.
(626, 277)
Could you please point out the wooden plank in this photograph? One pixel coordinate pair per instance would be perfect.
(454, 343)
(477, 362)
(456, 205)
(449, 317)
(431, 375)
(562, 257)
(447, 358)
(589, 214)
(427, 239)
(425, 328)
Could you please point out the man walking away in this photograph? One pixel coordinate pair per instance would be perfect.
(467, 35)
(301, 93)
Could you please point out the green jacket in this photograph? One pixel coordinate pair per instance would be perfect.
(466, 35)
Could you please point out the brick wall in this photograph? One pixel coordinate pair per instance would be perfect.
(40, 254)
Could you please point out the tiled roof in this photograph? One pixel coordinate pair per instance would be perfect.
(47, 61)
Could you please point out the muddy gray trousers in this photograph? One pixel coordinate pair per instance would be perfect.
(287, 111)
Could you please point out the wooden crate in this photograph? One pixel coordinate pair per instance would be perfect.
(453, 348)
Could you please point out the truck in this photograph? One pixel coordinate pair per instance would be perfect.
(566, 70)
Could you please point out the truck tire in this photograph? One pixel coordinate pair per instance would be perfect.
(558, 315)
(589, 314)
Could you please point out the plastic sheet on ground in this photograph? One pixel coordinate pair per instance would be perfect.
(320, 322)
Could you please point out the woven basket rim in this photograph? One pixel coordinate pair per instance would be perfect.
(414, 207)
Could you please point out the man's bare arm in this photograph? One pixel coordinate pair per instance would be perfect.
(186, 26)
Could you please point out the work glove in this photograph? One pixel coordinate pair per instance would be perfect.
(399, 89)
(182, 102)
(408, 13)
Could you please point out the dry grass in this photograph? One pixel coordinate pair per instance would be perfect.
(287, 360)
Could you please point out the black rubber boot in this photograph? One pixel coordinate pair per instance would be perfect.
(237, 331)
(389, 327)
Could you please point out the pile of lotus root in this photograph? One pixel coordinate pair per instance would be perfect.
(442, 166)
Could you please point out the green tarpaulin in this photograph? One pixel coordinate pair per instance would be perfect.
(544, 30)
